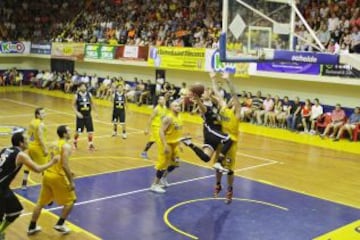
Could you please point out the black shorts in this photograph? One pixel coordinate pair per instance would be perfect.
(212, 137)
(118, 116)
(9, 203)
(85, 122)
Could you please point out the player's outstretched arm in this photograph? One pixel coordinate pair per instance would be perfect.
(233, 93)
(25, 159)
(218, 98)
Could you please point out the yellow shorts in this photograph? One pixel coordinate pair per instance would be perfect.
(166, 160)
(37, 155)
(155, 134)
(230, 158)
(56, 188)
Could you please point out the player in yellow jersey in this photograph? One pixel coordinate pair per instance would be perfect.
(171, 132)
(154, 124)
(37, 142)
(57, 184)
(230, 118)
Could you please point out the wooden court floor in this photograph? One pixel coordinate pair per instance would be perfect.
(311, 167)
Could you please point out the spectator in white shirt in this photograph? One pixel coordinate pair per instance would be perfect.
(316, 112)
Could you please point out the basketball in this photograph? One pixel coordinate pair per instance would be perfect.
(197, 89)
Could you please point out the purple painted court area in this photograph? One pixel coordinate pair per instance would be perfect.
(119, 206)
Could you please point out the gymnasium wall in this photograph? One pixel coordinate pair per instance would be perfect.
(328, 93)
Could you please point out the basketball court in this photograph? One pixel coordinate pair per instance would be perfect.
(286, 187)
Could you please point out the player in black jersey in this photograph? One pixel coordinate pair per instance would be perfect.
(11, 161)
(213, 136)
(82, 105)
(119, 107)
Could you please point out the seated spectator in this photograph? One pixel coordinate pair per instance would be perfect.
(351, 124)
(305, 115)
(355, 40)
(337, 120)
(245, 111)
(284, 113)
(19, 78)
(184, 97)
(2, 81)
(68, 85)
(333, 47)
(262, 116)
(103, 88)
(294, 116)
(316, 112)
(277, 110)
(256, 107)
(145, 94)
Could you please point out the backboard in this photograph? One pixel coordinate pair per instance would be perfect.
(264, 30)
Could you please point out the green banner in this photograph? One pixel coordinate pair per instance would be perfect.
(107, 52)
(92, 51)
(98, 51)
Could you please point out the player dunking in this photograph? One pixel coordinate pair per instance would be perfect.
(213, 135)
(168, 148)
(230, 116)
(37, 142)
(119, 110)
(11, 161)
(82, 105)
(154, 123)
(57, 184)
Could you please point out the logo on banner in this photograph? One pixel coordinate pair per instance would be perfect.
(10, 47)
(219, 66)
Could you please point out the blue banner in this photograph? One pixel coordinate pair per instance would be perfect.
(289, 67)
(41, 48)
(306, 57)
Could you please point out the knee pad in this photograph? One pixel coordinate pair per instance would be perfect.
(160, 173)
(12, 218)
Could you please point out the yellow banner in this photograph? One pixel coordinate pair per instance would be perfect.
(73, 51)
(192, 59)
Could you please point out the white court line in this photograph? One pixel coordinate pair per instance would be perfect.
(269, 162)
(148, 189)
(60, 112)
(21, 115)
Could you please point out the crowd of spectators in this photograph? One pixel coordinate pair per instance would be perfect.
(190, 23)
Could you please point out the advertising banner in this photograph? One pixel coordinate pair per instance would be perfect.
(340, 71)
(131, 51)
(72, 51)
(41, 48)
(191, 59)
(213, 63)
(92, 51)
(15, 47)
(306, 57)
(289, 67)
(137, 53)
(107, 51)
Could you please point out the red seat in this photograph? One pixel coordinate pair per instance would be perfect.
(356, 132)
(323, 121)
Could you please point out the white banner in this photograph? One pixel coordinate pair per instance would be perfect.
(15, 47)
(131, 51)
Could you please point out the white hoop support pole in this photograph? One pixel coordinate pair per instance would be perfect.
(225, 15)
(312, 33)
